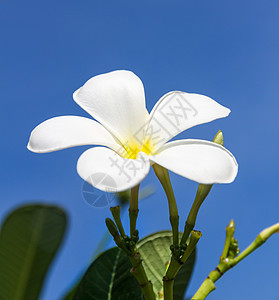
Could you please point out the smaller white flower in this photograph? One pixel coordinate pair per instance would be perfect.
(131, 139)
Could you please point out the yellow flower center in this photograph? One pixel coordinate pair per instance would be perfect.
(133, 149)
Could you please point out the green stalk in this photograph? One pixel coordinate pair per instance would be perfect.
(140, 275)
(164, 178)
(134, 209)
(135, 258)
(176, 264)
(260, 239)
(229, 237)
(115, 211)
(226, 263)
(202, 192)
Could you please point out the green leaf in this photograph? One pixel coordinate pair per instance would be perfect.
(70, 295)
(29, 239)
(155, 252)
(109, 277)
(100, 247)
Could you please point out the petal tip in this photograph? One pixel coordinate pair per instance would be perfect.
(29, 146)
(75, 94)
(228, 111)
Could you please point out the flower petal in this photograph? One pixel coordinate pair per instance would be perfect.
(117, 101)
(178, 111)
(68, 131)
(109, 172)
(198, 160)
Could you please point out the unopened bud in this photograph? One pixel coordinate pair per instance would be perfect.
(115, 211)
(112, 228)
(219, 139)
(231, 226)
(233, 249)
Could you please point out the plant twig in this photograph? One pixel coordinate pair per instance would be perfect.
(227, 260)
(134, 209)
(163, 176)
(140, 275)
(202, 192)
(176, 264)
(135, 258)
(115, 211)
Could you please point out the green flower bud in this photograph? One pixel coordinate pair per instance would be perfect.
(219, 139)
(112, 228)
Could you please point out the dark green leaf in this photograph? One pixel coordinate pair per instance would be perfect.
(70, 295)
(109, 277)
(29, 239)
(155, 252)
(102, 244)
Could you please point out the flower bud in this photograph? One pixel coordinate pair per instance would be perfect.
(112, 228)
(233, 249)
(218, 138)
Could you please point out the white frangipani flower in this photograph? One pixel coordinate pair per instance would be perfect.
(131, 139)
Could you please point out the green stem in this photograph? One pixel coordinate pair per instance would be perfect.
(134, 210)
(115, 211)
(168, 288)
(176, 264)
(209, 284)
(226, 264)
(164, 178)
(260, 239)
(135, 258)
(202, 192)
(140, 275)
(229, 236)
(115, 234)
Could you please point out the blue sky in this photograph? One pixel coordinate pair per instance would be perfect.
(227, 50)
